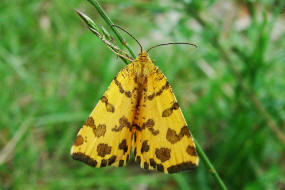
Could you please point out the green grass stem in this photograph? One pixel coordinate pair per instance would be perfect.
(110, 23)
(210, 166)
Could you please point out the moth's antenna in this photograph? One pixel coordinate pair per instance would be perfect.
(170, 43)
(129, 35)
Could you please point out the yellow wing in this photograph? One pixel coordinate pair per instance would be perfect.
(162, 140)
(106, 137)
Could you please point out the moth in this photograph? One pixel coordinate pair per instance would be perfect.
(137, 112)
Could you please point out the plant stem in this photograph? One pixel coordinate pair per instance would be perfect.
(110, 23)
(102, 34)
(209, 165)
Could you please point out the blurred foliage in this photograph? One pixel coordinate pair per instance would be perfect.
(53, 71)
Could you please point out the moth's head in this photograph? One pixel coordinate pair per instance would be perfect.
(143, 57)
(143, 54)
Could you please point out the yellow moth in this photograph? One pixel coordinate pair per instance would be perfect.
(138, 111)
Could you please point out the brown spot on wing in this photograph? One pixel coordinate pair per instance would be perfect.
(100, 130)
(145, 147)
(184, 132)
(90, 122)
(191, 150)
(150, 97)
(175, 106)
(154, 132)
(163, 154)
(123, 121)
(167, 112)
(84, 158)
(128, 94)
(160, 167)
(164, 87)
(159, 92)
(152, 163)
(173, 137)
(104, 99)
(119, 85)
(109, 107)
(121, 89)
(78, 141)
(123, 146)
(180, 167)
(111, 160)
(103, 149)
(149, 124)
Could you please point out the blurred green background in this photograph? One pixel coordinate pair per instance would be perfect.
(231, 89)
